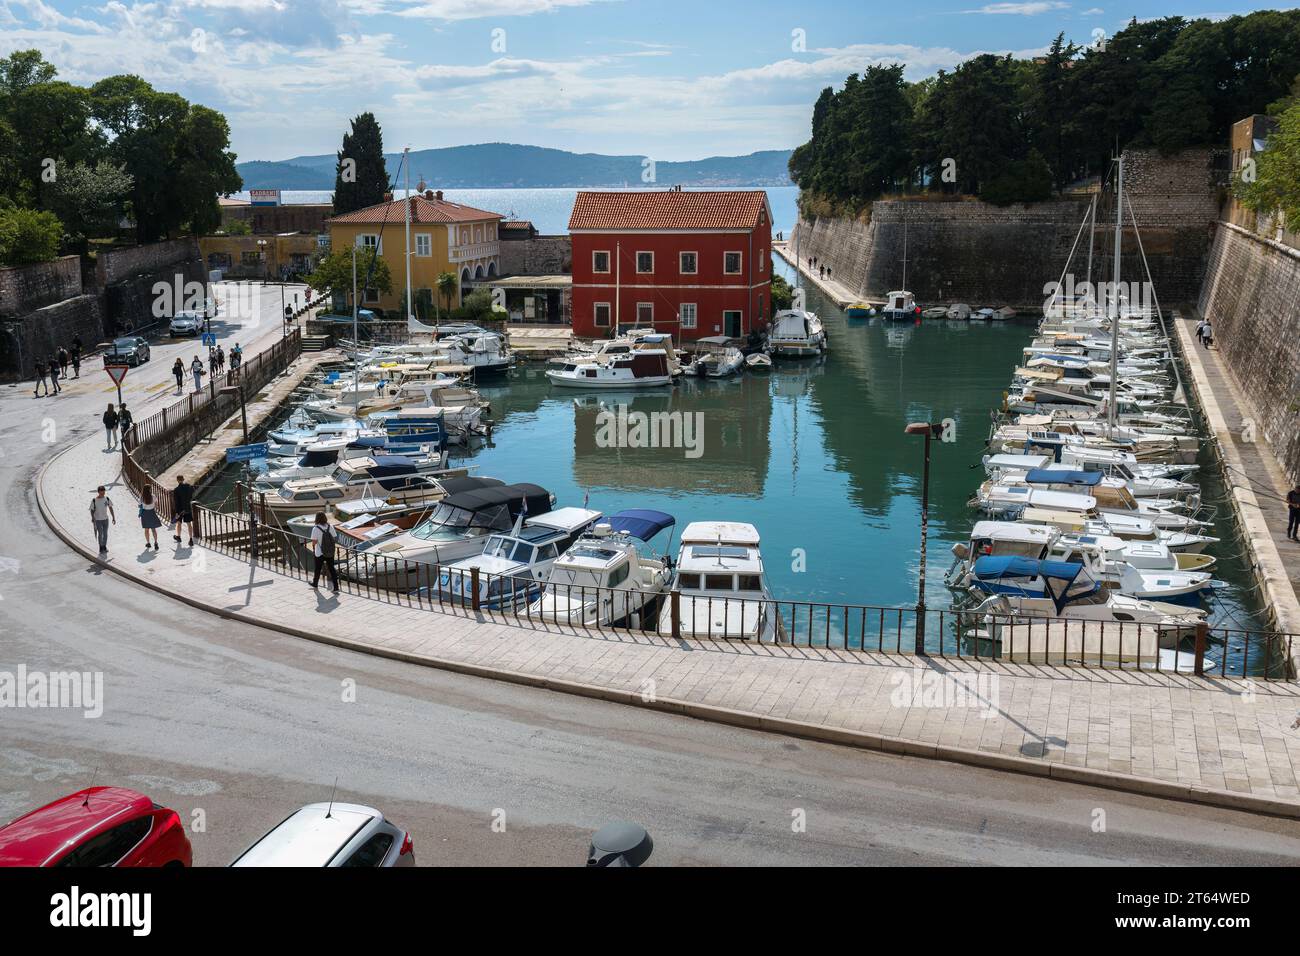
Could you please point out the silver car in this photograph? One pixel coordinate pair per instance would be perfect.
(188, 322)
(332, 834)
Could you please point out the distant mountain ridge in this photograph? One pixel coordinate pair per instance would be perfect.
(508, 165)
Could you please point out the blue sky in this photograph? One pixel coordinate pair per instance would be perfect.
(670, 79)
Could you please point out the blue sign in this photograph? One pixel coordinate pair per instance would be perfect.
(332, 377)
(248, 452)
(210, 339)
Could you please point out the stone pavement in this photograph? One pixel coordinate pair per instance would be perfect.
(832, 288)
(1222, 741)
(1254, 475)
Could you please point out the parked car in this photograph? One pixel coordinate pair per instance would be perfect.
(131, 349)
(189, 322)
(98, 826)
(332, 834)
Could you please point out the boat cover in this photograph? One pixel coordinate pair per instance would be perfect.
(641, 523)
(1053, 476)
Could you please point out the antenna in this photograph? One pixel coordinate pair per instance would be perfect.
(330, 811)
(93, 777)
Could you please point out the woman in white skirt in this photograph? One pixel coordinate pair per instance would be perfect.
(149, 519)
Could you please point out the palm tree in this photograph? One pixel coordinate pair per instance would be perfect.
(447, 285)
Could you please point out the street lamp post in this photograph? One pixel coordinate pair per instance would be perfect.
(930, 431)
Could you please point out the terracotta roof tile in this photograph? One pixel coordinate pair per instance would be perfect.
(668, 209)
(424, 211)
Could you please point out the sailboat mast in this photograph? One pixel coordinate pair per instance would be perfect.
(1092, 233)
(406, 203)
(1114, 296)
(904, 255)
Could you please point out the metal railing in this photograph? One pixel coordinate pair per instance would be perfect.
(1198, 650)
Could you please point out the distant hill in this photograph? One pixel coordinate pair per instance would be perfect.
(506, 165)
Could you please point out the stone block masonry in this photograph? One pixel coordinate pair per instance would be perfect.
(24, 289)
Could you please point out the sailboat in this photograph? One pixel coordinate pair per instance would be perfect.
(901, 305)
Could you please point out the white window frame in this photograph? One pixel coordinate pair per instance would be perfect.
(595, 315)
(681, 270)
(693, 321)
(427, 239)
(376, 241)
(608, 261)
(762, 260)
(651, 307)
(637, 262)
(741, 256)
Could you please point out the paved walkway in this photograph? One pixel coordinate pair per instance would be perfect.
(832, 288)
(1227, 742)
(1254, 475)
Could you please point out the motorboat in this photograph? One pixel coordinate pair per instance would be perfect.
(642, 368)
(514, 565)
(605, 578)
(356, 519)
(458, 527)
(959, 310)
(899, 306)
(319, 458)
(716, 357)
(632, 340)
(723, 588)
(393, 476)
(758, 362)
(859, 310)
(796, 333)
(1127, 527)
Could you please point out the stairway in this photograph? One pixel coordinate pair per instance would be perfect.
(315, 343)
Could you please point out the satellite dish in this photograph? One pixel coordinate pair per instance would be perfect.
(420, 186)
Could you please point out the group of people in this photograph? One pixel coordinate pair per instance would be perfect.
(117, 423)
(822, 270)
(102, 513)
(54, 367)
(1205, 333)
(216, 365)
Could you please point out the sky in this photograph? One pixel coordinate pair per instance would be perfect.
(668, 79)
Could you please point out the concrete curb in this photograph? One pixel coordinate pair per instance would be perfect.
(862, 740)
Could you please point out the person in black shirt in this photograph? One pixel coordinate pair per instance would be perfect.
(182, 505)
(40, 379)
(1293, 508)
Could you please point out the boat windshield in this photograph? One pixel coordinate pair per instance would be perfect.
(447, 517)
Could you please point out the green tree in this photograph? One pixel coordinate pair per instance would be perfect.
(1276, 185)
(90, 200)
(447, 285)
(782, 293)
(360, 175)
(333, 271)
(28, 235)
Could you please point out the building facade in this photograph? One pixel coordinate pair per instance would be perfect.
(691, 263)
(445, 237)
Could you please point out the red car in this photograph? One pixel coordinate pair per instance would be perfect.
(100, 826)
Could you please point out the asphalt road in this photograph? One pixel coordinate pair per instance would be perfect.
(235, 727)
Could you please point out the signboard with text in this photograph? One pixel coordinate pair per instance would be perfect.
(264, 197)
(248, 452)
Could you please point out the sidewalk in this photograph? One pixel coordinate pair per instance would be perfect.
(1224, 742)
(832, 288)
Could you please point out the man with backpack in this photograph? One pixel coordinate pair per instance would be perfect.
(101, 511)
(182, 509)
(322, 546)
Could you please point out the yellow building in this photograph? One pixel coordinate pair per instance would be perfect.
(259, 257)
(445, 237)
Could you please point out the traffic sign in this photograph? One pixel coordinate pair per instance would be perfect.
(248, 452)
(209, 339)
(116, 373)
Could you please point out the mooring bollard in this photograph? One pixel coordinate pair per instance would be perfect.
(1202, 638)
(675, 602)
(473, 583)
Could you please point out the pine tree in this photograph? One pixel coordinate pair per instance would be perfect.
(360, 176)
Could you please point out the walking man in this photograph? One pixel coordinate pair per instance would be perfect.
(124, 422)
(236, 356)
(1200, 331)
(196, 368)
(1293, 511)
(54, 374)
(63, 358)
(110, 424)
(101, 512)
(76, 361)
(1207, 337)
(322, 546)
(183, 506)
(40, 379)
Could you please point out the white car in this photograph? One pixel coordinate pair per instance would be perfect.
(332, 835)
(189, 322)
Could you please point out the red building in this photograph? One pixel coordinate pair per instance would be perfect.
(694, 264)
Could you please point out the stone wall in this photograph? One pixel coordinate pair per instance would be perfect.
(1251, 295)
(122, 264)
(974, 252)
(128, 276)
(539, 256)
(26, 288)
(39, 333)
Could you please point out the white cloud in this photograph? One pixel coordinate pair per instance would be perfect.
(479, 9)
(1093, 12)
(1030, 9)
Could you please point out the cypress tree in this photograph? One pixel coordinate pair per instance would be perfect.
(360, 176)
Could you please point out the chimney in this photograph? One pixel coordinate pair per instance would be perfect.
(388, 197)
(438, 195)
(428, 194)
(414, 213)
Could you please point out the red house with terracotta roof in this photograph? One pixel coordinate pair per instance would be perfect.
(693, 263)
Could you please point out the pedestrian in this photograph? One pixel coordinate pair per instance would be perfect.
(1209, 334)
(183, 509)
(76, 362)
(178, 372)
(1200, 331)
(101, 512)
(821, 271)
(124, 422)
(196, 368)
(221, 360)
(110, 424)
(236, 356)
(149, 520)
(64, 359)
(40, 379)
(322, 546)
(54, 374)
(1293, 513)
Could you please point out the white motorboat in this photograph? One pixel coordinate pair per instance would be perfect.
(900, 306)
(796, 333)
(715, 357)
(724, 592)
(392, 476)
(642, 368)
(605, 578)
(959, 310)
(758, 362)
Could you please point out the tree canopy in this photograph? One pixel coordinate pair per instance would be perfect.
(361, 176)
(1013, 130)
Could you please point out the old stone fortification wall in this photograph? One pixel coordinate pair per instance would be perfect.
(39, 333)
(973, 252)
(539, 256)
(25, 288)
(1251, 295)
